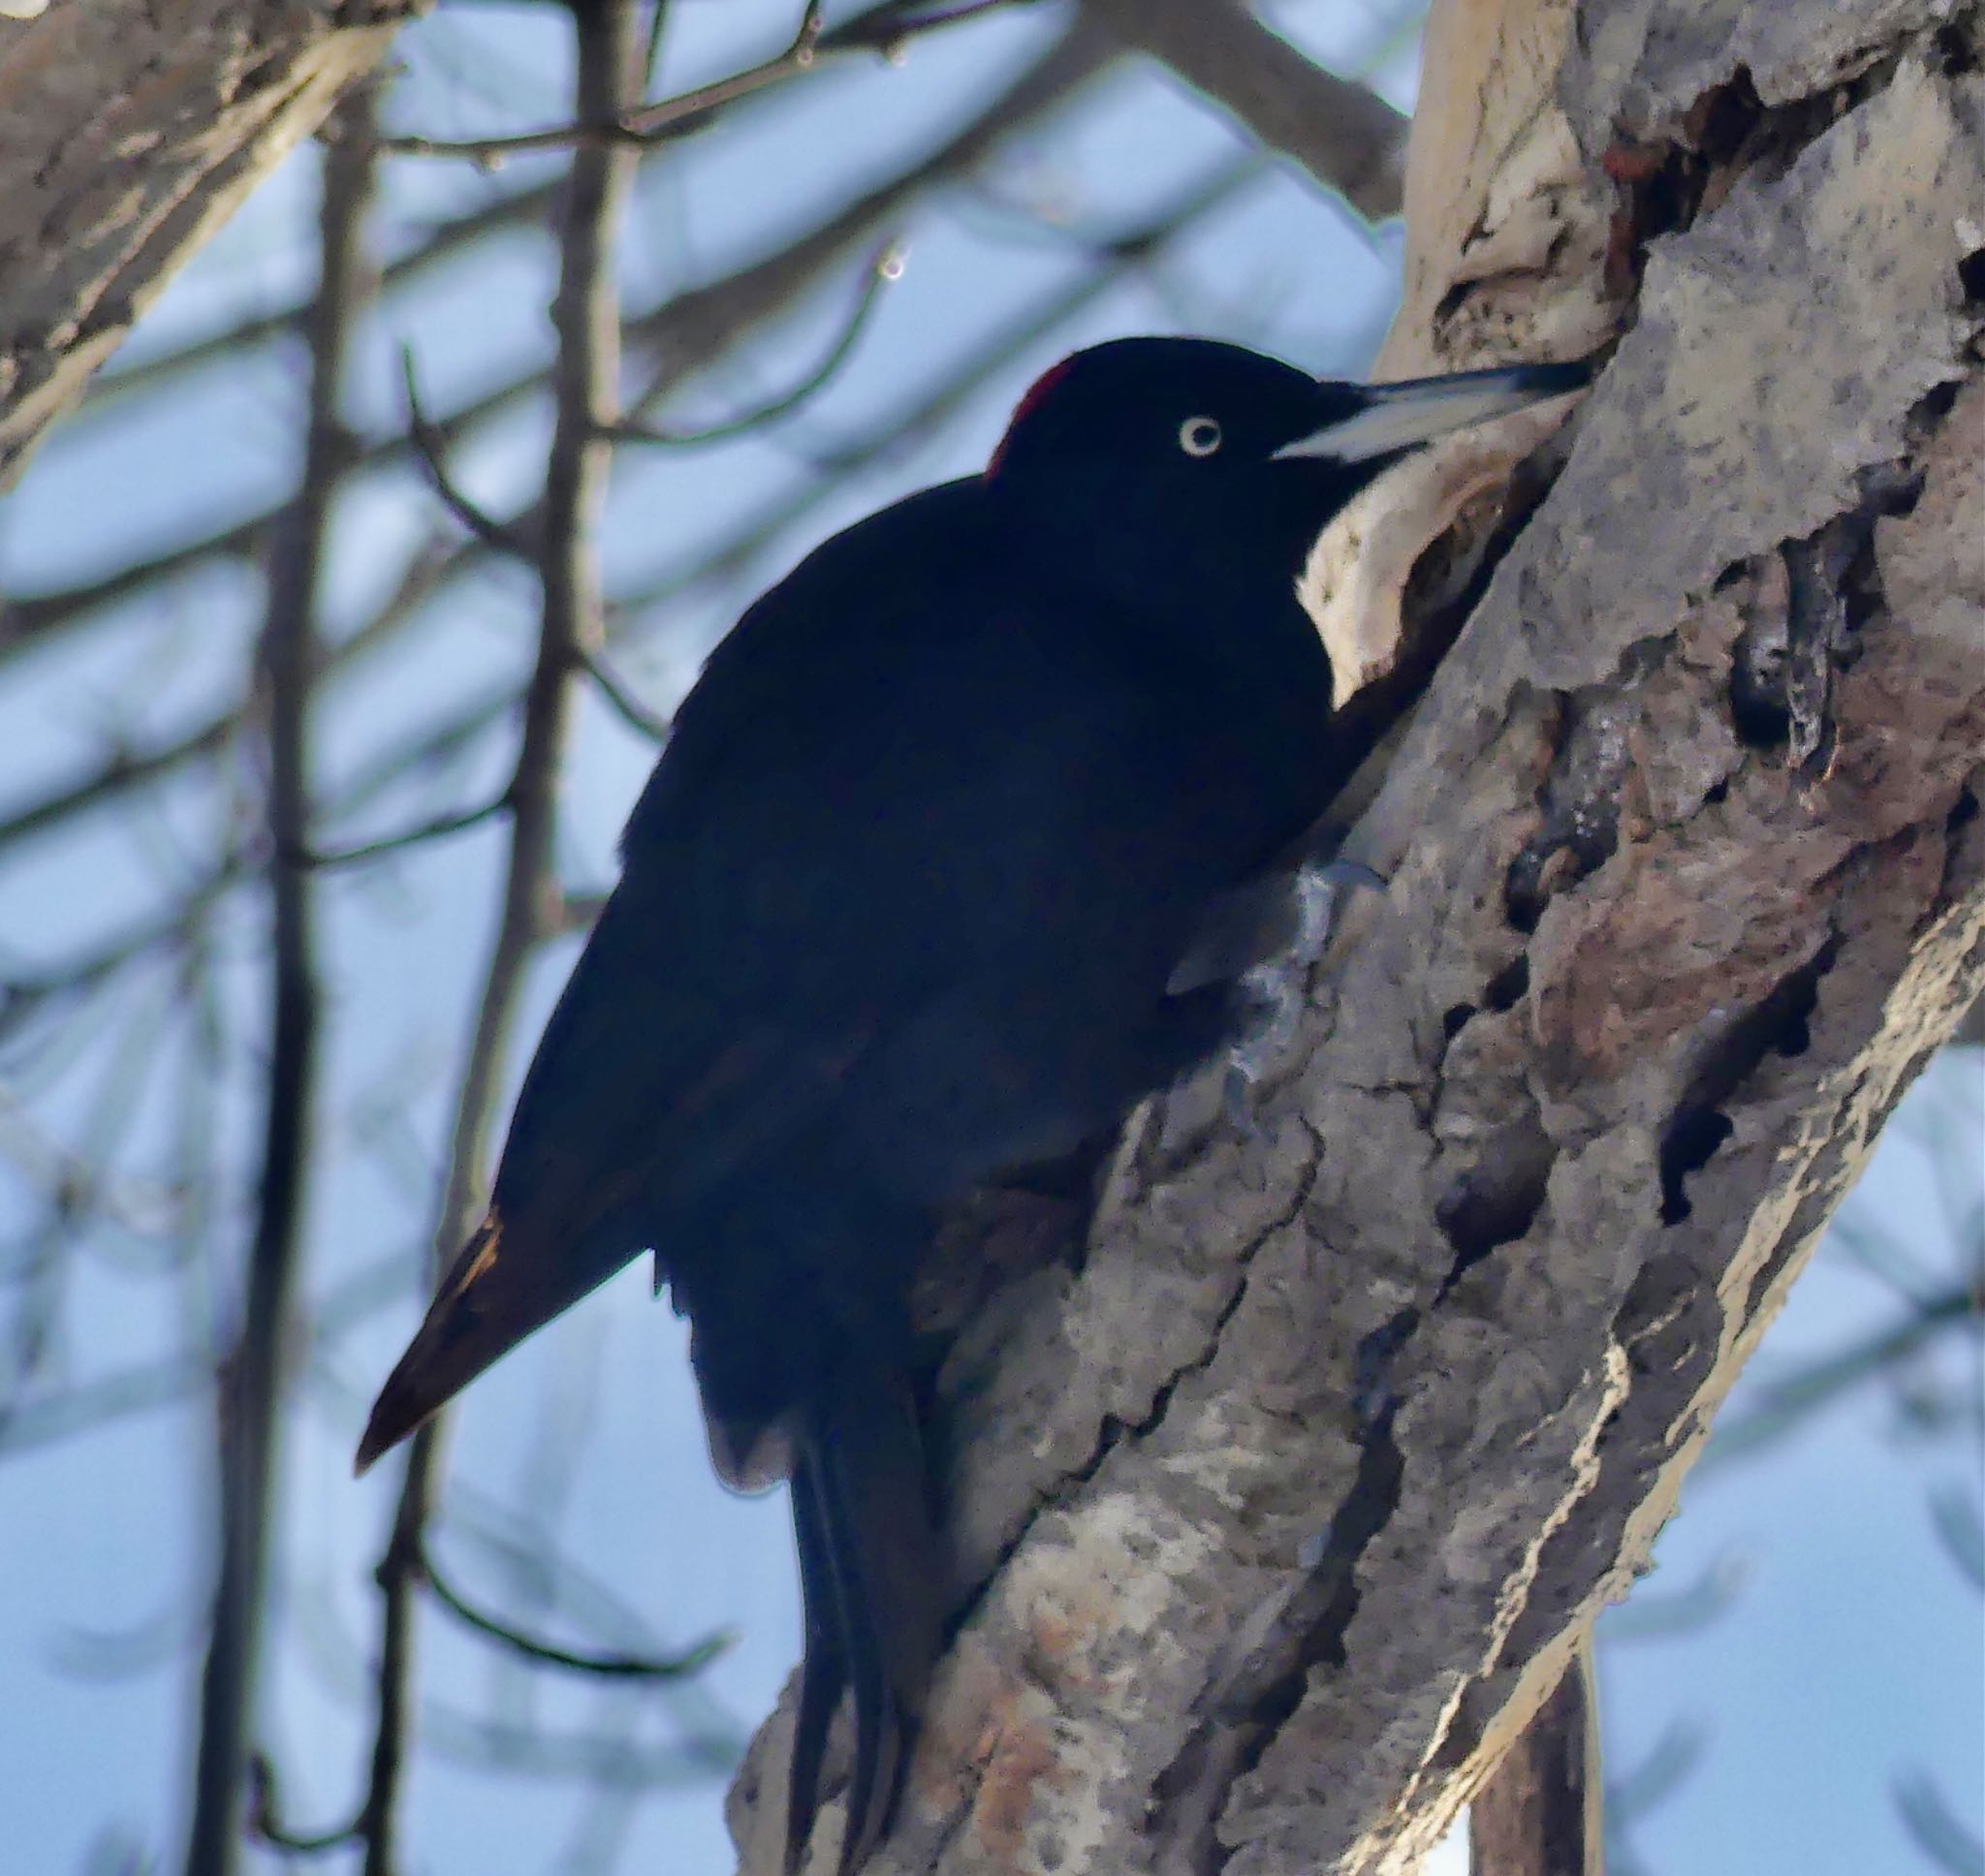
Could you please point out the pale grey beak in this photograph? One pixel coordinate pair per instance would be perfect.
(1381, 419)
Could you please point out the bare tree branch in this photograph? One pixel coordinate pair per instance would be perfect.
(883, 31)
(682, 335)
(123, 381)
(121, 773)
(1127, 251)
(430, 445)
(626, 706)
(439, 828)
(426, 573)
(606, 1667)
(1944, 1838)
(885, 267)
(585, 316)
(1346, 135)
(25, 993)
(644, 124)
(265, 1822)
(256, 1378)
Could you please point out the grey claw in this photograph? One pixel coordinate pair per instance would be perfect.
(1236, 1096)
(1351, 873)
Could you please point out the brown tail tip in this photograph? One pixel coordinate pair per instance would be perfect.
(447, 1351)
(399, 1410)
(384, 1430)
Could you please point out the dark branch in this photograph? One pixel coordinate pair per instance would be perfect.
(884, 31)
(439, 828)
(264, 1817)
(429, 444)
(626, 706)
(586, 320)
(885, 267)
(121, 773)
(610, 1667)
(645, 124)
(1130, 249)
(1346, 135)
(257, 1375)
(682, 336)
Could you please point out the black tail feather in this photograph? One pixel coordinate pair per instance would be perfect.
(824, 1667)
(873, 1573)
(878, 1720)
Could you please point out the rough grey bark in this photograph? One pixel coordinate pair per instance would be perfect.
(129, 132)
(1282, 1506)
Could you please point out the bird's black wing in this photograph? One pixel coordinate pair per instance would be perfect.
(898, 908)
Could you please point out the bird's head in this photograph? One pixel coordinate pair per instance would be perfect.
(1196, 449)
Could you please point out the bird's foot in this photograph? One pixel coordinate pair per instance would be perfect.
(1273, 991)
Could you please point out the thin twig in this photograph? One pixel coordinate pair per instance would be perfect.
(439, 828)
(645, 124)
(651, 51)
(426, 570)
(428, 444)
(1776, 1406)
(886, 267)
(626, 705)
(885, 32)
(585, 317)
(75, 1184)
(685, 333)
(122, 772)
(441, 240)
(608, 1667)
(25, 994)
(91, 1405)
(1127, 251)
(257, 1372)
(264, 1817)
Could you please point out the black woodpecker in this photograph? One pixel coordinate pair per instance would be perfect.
(908, 904)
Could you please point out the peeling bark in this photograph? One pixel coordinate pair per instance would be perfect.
(129, 131)
(1283, 1499)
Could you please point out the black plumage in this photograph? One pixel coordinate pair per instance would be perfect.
(915, 896)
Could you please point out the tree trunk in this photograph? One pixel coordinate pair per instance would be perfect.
(129, 131)
(1280, 1508)
(1541, 1812)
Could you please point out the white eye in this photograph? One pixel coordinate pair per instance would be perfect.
(1199, 436)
